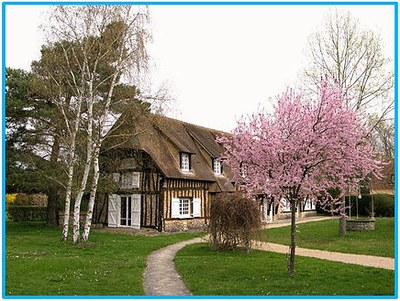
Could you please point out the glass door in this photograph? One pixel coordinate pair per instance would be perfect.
(126, 211)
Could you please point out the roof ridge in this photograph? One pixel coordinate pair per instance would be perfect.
(189, 123)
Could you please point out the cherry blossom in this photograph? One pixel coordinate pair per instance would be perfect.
(305, 149)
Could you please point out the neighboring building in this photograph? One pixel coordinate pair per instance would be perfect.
(165, 173)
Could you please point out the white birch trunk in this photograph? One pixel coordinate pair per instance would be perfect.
(88, 163)
(73, 133)
(96, 169)
(89, 215)
(68, 201)
(78, 200)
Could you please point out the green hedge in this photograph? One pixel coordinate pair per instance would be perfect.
(27, 213)
(383, 205)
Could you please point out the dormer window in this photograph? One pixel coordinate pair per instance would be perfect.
(185, 162)
(217, 166)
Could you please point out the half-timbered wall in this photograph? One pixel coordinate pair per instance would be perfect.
(178, 188)
(124, 163)
(151, 200)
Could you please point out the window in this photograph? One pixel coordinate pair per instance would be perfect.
(217, 166)
(185, 207)
(185, 162)
(126, 211)
(130, 180)
(243, 170)
(308, 204)
(285, 205)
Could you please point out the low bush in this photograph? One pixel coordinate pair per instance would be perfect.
(234, 221)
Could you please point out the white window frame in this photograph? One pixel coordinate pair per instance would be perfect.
(193, 206)
(184, 208)
(217, 166)
(185, 162)
(285, 205)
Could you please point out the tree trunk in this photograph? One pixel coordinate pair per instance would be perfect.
(53, 191)
(292, 239)
(52, 207)
(342, 225)
(93, 191)
(68, 200)
(88, 164)
(78, 200)
(342, 220)
(73, 133)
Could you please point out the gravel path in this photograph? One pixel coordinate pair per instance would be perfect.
(161, 278)
(365, 260)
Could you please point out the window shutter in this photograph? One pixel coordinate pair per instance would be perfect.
(113, 210)
(196, 207)
(136, 210)
(175, 208)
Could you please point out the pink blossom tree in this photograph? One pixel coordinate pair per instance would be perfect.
(304, 150)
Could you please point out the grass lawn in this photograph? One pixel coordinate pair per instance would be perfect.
(324, 235)
(38, 263)
(208, 272)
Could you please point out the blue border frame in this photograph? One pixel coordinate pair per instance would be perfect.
(204, 3)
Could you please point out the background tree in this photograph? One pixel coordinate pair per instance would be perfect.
(354, 58)
(382, 135)
(31, 150)
(307, 149)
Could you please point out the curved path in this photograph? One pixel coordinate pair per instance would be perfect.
(161, 278)
(364, 260)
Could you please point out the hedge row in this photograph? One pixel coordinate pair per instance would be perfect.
(27, 213)
(383, 205)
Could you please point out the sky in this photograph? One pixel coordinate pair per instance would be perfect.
(219, 62)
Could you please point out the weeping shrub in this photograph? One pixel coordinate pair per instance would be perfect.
(234, 221)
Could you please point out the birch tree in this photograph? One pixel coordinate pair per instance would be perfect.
(102, 46)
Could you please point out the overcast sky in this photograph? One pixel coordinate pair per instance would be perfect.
(220, 61)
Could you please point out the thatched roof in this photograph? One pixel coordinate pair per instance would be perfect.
(386, 184)
(165, 138)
